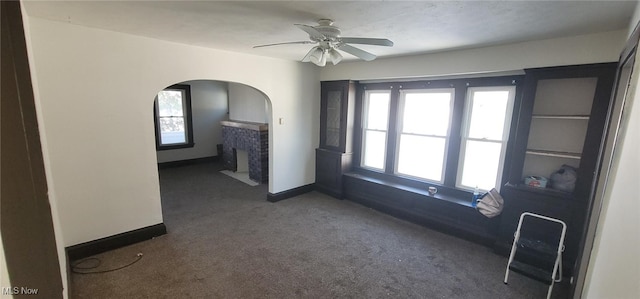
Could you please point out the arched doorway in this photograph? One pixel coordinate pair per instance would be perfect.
(211, 121)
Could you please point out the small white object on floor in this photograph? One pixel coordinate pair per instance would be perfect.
(240, 176)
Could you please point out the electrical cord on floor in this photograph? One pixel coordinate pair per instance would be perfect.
(79, 267)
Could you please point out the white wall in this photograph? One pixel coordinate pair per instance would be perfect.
(247, 104)
(209, 106)
(614, 266)
(96, 88)
(601, 47)
(53, 200)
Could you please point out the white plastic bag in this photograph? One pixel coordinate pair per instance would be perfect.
(491, 204)
(564, 179)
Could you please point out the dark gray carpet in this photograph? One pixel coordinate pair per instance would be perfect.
(226, 241)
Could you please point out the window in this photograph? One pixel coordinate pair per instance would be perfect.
(484, 136)
(448, 133)
(423, 131)
(376, 119)
(173, 118)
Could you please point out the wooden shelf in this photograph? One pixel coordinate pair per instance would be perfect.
(563, 112)
(566, 117)
(550, 193)
(567, 155)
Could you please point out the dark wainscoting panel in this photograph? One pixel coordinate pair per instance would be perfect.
(447, 215)
(90, 248)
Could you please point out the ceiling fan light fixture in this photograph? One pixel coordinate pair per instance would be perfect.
(307, 57)
(318, 56)
(329, 40)
(323, 58)
(335, 56)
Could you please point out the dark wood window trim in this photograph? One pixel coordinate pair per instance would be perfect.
(447, 188)
(188, 122)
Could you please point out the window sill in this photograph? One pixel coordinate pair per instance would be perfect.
(421, 191)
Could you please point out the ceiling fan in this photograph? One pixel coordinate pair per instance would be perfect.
(329, 42)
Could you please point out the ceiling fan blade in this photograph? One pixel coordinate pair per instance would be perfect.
(285, 43)
(313, 32)
(362, 54)
(367, 41)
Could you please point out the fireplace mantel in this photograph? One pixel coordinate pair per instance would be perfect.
(245, 125)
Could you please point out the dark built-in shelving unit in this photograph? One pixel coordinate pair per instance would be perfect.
(334, 156)
(560, 122)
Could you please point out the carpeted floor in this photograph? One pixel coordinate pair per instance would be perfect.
(226, 241)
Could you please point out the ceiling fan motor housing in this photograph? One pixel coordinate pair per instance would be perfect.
(332, 33)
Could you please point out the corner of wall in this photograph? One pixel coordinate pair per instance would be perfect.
(611, 270)
(247, 104)
(59, 236)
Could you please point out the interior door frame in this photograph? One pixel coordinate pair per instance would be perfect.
(615, 113)
(26, 222)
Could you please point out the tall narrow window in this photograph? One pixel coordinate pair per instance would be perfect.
(484, 136)
(375, 126)
(173, 118)
(423, 128)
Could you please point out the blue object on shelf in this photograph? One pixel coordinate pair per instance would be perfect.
(475, 198)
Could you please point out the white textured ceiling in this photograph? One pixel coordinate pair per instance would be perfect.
(414, 26)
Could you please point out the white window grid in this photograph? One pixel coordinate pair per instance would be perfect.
(400, 129)
(466, 123)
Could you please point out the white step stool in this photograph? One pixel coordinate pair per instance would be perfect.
(544, 250)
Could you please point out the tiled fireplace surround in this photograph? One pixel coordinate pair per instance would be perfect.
(250, 137)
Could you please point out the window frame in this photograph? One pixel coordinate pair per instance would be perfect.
(365, 106)
(448, 186)
(466, 126)
(399, 131)
(186, 109)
